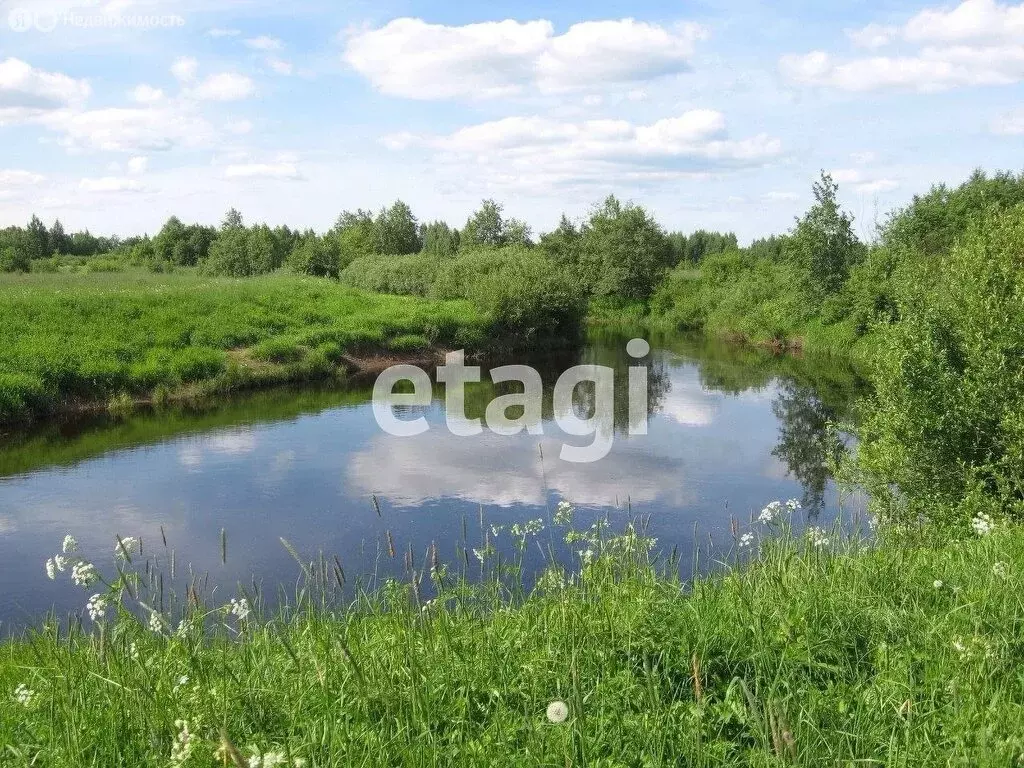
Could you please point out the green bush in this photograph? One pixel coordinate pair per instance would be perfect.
(943, 434)
(407, 275)
(317, 256)
(14, 260)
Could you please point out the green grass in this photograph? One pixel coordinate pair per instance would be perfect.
(906, 652)
(93, 337)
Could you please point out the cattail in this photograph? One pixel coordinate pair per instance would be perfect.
(391, 544)
(698, 690)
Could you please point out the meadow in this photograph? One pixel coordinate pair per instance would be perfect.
(86, 338)
(801, 646)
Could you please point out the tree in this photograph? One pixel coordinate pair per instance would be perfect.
(624, 252)
(356, 233)
(39, 239)
(233, 220)
(563, 243)
(317, 256)
(439, 239)
(396, 230)
(487, 226)
(823, 241)
(59, 242)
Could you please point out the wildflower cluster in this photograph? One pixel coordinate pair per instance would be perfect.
(126, 547)
(239, 608)
(552, 580)
(1001, 570)
(982, 524)
(24, 695)
(563, 513)
(181, 749)
(773, 512)
(746, 540)
(817, 536)
(97, 607)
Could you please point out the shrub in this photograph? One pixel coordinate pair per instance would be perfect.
(943, 434)
(14, 260)
(410, 275)
(316, 256)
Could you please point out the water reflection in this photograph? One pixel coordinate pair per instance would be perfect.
(729, 430)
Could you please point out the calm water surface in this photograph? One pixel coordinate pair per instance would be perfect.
(730, 429)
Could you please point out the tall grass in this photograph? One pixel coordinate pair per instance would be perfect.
(94, 337)
(802, 649)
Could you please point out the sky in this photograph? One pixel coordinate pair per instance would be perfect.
(116, 114)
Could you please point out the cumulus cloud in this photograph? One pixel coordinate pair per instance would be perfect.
(146, 94)
(976, 43)
(863, 182)
(411, 58)
(280, 66)
(27, 92)
(18, 178)
(224, 86)
(130, 129)
(544, 151)
(109, 184)
(278, 170)
(185, 69)
(138, 165)
(264, 43)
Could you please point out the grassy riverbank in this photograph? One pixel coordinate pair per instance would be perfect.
(812, 652)
(74, 339)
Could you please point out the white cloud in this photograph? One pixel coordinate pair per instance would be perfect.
(138, 165)
(1010, 124)
(17, 178)
(224, 86)
(239, 127)
(872, 36)
(264, 43)
(976, 43)
(130, 129)
(280, 66)
(409, 57)
(109, 184)
(544, 152)
(27, 92)
(185, 69)
(778, 196)
(146, 94)
(221, 32)
(862, 182)
(972, 20)
(279, 170)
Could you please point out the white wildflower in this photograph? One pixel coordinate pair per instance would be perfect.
(61, 563)
(982, 524)
(133, 651)
(586, 556)
(51, 569)
(496, 529)
(239, 608)
(182, 682)
(1001, 569)
(181, 749)
(156, 624)
(817, 536)
(69, 545)
(558, 711)
(770, 513)
(552, 580)
(534, 527)
(126, 547)
(84, 574)
(938, 584)
(746, 540)
(792, 506)
(24, 695)
(563, 513)
(97, 607)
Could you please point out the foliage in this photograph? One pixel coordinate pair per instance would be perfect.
(397, 230)
(439, 239)
(623, 251)
(488, 226)
(943, 436)
(410, 275)
(317, 256)
(823, 242)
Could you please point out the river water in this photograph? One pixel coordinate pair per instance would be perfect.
(729, 430)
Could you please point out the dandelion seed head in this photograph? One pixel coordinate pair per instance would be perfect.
(938, 584)
(558, 712)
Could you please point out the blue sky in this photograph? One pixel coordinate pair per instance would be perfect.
(115, 114)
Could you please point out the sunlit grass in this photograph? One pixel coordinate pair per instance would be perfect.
(808, 648)
(95, 337)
